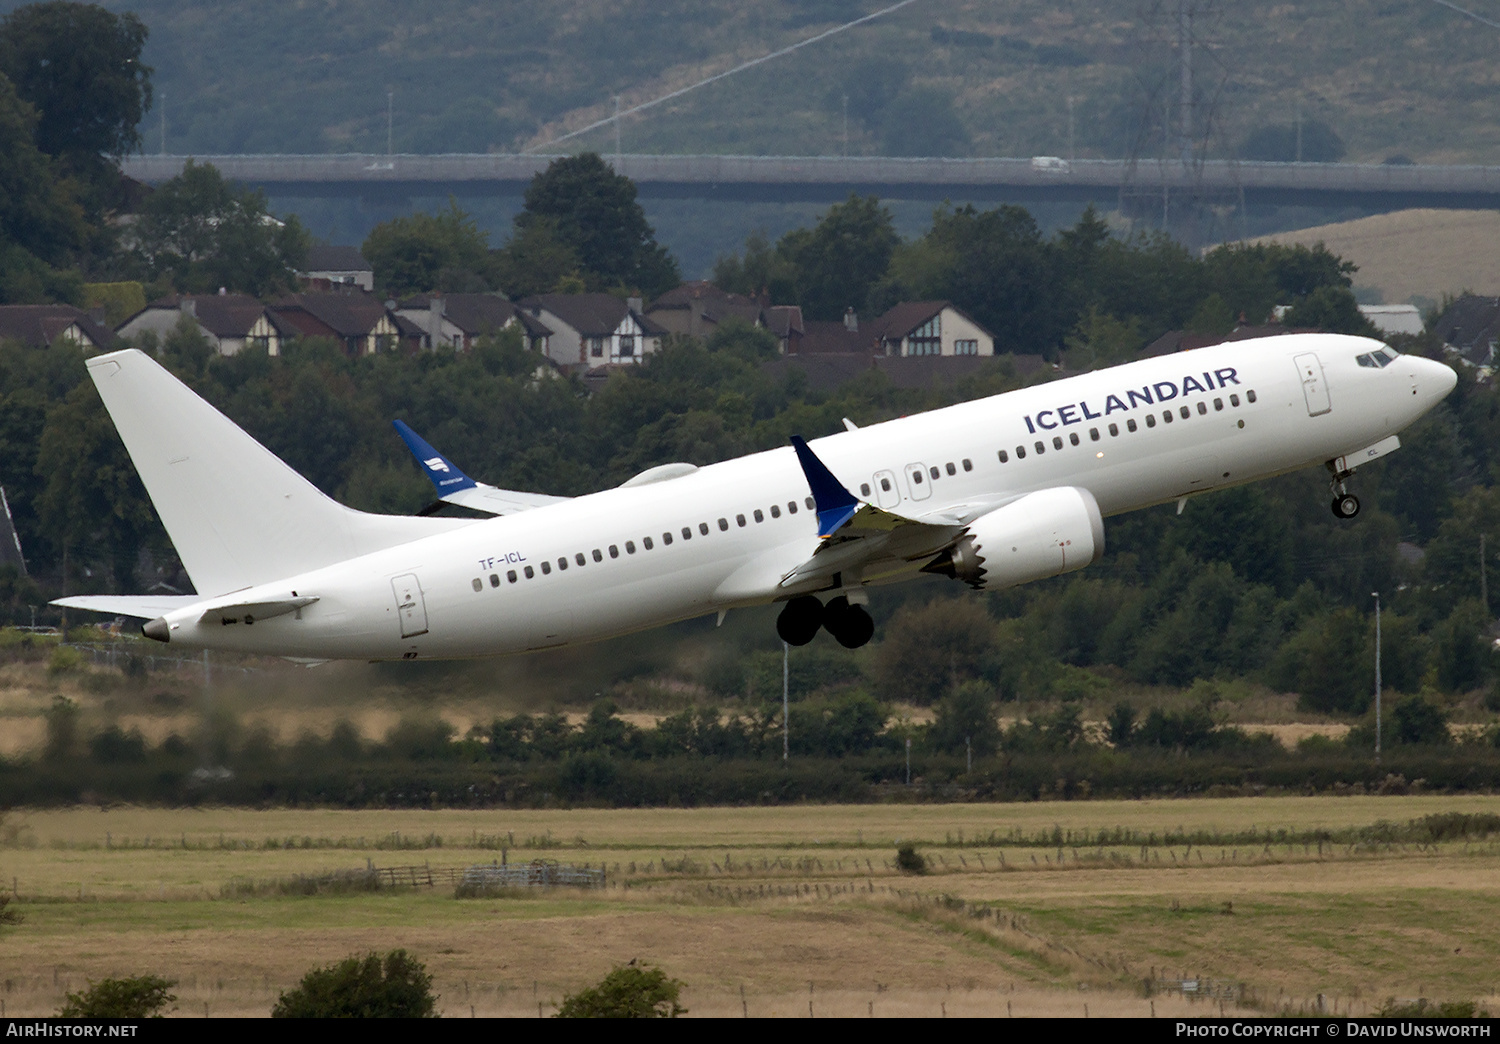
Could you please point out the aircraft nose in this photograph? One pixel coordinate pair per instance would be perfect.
(1431, 381)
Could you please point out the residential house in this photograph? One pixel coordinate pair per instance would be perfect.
(591, 330)
(1469, 329)
(456, 320)
(229, 322)
(915, 328)
(38, 326)
(359, 321)
(329, 266)
(698, 308)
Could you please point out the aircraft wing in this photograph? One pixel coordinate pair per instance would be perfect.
(454, 487)
(858, 540)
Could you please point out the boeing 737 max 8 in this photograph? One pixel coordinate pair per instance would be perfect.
(994, 492)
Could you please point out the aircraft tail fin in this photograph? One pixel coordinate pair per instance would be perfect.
(236, 513)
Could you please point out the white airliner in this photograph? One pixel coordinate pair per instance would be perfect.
(995, 492)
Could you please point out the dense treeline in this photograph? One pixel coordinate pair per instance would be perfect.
(845, 750)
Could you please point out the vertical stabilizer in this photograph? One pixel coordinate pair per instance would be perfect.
(237, 515)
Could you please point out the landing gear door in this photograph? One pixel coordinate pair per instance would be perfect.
(1314, 388)
(886, 491)
(409, 605)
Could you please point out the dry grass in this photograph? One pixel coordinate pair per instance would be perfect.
(1414, 253)
(769, 900)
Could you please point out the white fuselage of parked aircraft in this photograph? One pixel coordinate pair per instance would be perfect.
(996, 491)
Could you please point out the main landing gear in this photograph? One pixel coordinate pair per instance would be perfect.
(1345, 504)
(799, 622)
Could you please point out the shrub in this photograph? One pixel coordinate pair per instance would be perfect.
(395, 986)
(141, 997)
(7, 915)
(909, 860)
(628, 992)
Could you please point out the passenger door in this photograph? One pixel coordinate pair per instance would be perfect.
(409, 605)
(1314, 387)
(886, 492)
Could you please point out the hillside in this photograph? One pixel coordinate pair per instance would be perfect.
(1413, 255)
(952, 75)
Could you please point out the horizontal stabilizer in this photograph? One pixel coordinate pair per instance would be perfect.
(142, 607)
(455, 487)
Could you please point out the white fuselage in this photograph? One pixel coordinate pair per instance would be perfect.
(1250, 415)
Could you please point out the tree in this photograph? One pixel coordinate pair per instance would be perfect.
(395, 986)
(839, 261)
(140, 997)
(1419, 720)
(1313, 141)
(628, 992)
(204, 233)
(966, 720)
(80, 67)
(37, 212)
(422, 252)
(921, 122)
(595, 214)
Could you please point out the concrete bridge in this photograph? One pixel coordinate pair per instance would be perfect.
(825, 178)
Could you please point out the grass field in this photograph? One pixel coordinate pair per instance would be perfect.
(768, 910)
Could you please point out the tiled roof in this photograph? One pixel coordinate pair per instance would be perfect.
(905, 317)
(822, 338)
(472, 313)
(348, 315)
(40, 325)
(223, 315)
(592, 315)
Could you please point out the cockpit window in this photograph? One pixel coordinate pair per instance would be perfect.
(1377, 359)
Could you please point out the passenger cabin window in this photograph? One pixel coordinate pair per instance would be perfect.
(1041, 447)
(1114, 430)
(630, 547)
(1250, 395)
(1202, 408)
(1004, 457)
(529, 572)
(885, 485)
(562, 563)
(614, 551)
(916, 476)
(935, 472)
(546, 568)
(478, 584)
(1073, 437)
(598, 556)
(703, 528)
(580, 559)
(1218, 405)
(723, 525)
(687, 532)
(951, 469)
(775, 510)
(494, 579)
(1093, 434)
(510, 575)
(1234, 400)
(1166, 416)
(1150, 420)
(1186, 413)
(740, 521)
(809, 502)
(968, 464)
(1020, 452)
(666, 538)
(791, 505)
(1057, 442)
(1130, 424)
(759, 515)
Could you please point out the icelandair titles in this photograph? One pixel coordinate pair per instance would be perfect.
(1129, 399)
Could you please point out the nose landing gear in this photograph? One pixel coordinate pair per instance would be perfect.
(1345, 504)
(800, 621)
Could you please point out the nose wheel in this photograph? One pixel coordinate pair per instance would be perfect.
(1345, 504)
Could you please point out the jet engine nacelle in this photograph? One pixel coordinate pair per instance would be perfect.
(1046, 533)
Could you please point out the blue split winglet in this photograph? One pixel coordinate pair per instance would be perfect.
(444, 474)
(835, 504)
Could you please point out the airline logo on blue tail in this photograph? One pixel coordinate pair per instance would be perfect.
(443, 473)
(1129, 399)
